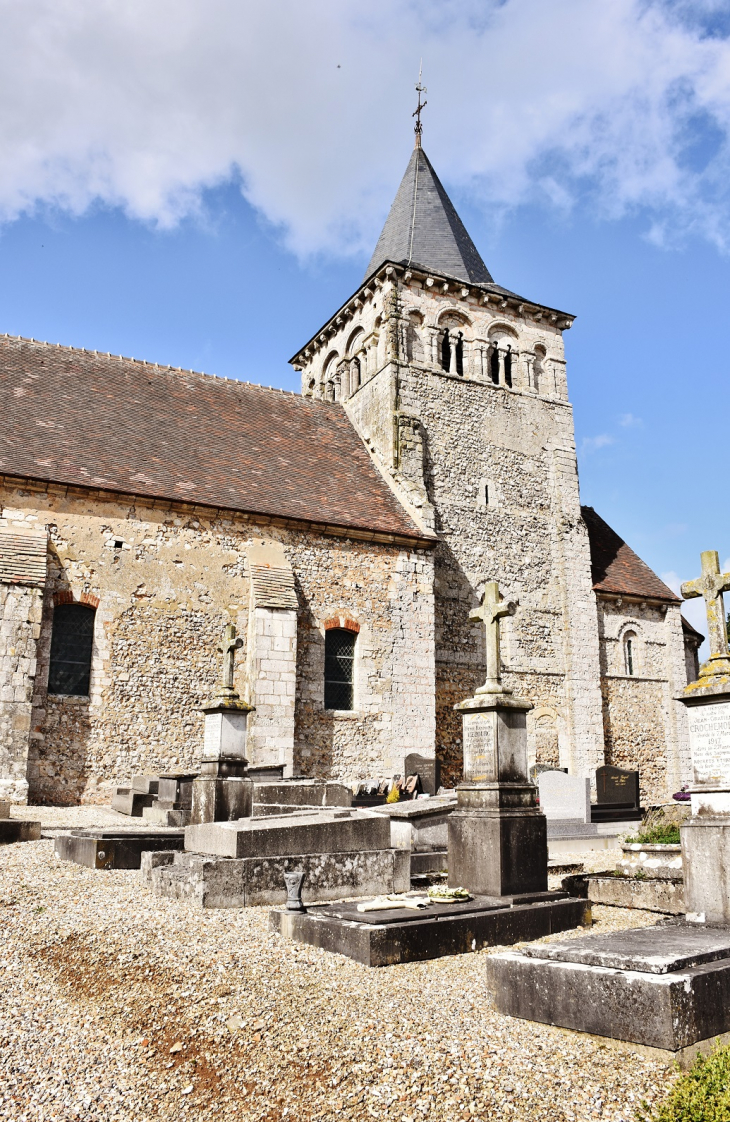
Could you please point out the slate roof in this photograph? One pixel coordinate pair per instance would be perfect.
(423, 229)
(691, 631)
(616, 568)
(91, 420)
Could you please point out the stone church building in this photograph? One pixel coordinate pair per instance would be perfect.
(347, 531)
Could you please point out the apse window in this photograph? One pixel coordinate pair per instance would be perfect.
(630, 653)
(339, 664)
(72, 640)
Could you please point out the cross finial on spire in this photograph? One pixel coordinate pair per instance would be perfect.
(421, 89)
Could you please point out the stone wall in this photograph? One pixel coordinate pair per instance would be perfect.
(166, 583)
(20, 626)
(645, 727)
(499, 484)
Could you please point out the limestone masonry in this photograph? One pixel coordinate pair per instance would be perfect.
(432, 450)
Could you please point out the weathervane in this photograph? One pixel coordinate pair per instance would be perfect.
(420, 107)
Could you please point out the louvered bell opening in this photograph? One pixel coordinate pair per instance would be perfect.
(339, 660)
(71, 645)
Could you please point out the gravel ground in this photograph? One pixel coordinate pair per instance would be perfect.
(117, 1005)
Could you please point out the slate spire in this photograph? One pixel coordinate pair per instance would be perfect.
(423, 228)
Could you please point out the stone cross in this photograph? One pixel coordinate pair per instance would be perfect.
(711, 586)
(491, 609)
(230, 645)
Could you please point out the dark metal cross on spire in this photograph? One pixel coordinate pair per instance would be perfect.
(421, 89)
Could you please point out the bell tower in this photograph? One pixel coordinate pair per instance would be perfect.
(458, 388)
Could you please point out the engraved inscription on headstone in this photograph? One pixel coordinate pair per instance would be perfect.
(617, 786)
(480, 765)
(709, 738)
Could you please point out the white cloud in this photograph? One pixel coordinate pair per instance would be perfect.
(592, 443)
(143, 104)
(629, 421)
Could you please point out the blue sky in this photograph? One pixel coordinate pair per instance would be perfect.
(202, 185)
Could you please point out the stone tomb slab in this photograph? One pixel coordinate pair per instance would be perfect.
(665, 987)
(402, 935)
(18, 830)
(115, 849)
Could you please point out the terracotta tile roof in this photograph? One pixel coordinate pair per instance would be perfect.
(616, 568)
(23, 556)
(87, 419)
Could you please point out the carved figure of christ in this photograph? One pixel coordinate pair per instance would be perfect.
(230, 645)
(490, 611)
(711, 585)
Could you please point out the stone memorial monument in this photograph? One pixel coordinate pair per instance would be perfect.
(497, 833)
(221, 792)
(706, 836)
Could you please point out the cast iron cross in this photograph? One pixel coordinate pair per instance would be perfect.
(711, 585)
(230, 645)
(491, 609)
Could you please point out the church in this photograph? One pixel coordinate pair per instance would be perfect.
(347, 532)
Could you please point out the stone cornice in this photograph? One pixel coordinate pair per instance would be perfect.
(485, 294)
(177, 506)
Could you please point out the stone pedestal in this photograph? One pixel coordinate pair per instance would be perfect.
(706, 837)
(497, 833)
(222, 790)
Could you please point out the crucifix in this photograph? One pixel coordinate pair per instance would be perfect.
(420, 89)
(491, 609)
(711, 586)
(230, 645)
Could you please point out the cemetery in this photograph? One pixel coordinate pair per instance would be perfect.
(633, 950)
(274, 846)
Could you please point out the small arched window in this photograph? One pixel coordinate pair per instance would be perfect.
(494, 364)
(452, 341)
(630, 653)
(339, 665)
(508, 367)
(72, 640)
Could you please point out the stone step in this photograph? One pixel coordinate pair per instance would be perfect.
(131, 802)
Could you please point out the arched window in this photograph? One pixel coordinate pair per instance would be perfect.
(630, 653)
(538, 368)
(71, 641)
(339, 663)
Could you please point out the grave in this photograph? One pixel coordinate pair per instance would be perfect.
(497, 848)
(617, 795)
(665, 987)
(114, 849)
(16, 829)
(421, 827)
(342, 852)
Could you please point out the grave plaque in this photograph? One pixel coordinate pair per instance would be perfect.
(566, 797)
(480, 763)
(709, 738)
(617, 786)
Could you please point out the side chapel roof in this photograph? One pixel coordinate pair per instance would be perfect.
(98, 421)
(616, 568)
(423, 229)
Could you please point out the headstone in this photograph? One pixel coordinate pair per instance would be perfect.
(565, 797)
(617, 786)
(706, 836)
(497, 833)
